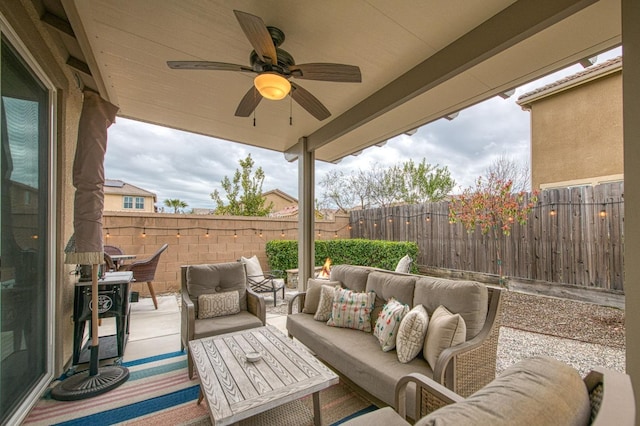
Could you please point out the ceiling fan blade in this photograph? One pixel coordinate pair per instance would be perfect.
(206, 65)
(327, 72)
(249, 102)
(309, 102)
(258, 35)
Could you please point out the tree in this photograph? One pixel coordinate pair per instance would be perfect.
(385, 184)
(423, 182)
(243, 193)
(493, 207)
(345, 191)
(406, 183)
(508, 169)
(176, 204)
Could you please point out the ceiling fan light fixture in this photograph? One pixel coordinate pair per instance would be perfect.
(272, 86)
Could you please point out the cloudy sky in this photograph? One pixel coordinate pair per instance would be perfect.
(176, 164)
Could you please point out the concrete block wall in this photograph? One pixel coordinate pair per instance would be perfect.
(197, 239)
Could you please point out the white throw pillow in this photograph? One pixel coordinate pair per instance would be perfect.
(218, 304)
(388, 323)
(445, 330)
(254, 270)
(404, 264)
(410, 339)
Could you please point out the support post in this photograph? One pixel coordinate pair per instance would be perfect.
(631, 112)
(306, 213)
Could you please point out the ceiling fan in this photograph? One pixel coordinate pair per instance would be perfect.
(274, 68)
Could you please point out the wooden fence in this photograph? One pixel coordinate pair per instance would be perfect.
(573, 236)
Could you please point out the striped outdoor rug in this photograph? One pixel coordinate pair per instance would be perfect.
(158, 392)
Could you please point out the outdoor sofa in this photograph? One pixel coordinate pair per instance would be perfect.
(463, 368)
(536, 391)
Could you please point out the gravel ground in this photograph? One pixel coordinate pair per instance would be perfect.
(581, 334)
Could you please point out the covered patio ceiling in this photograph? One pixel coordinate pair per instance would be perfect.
(420, 60)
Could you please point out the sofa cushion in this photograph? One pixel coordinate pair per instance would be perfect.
(411, 334)
(357, 355)
(218, 304)
(468, 298)
(352, 277)
(445, 330)
(216, 278)
(388, 323)
(312, 298)
(387, 285)
(323, 312)
(352, 310)
(541, 391)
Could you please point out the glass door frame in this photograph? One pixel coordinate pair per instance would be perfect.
(10, 35)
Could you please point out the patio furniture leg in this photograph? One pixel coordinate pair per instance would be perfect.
(317, 416)
(153, 294)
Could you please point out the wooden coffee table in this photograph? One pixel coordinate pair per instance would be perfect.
(236, 389)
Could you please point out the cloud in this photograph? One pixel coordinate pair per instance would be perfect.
(176, 164)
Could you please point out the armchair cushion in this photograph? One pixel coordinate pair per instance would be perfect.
(216, 278)
(404, 264)
(218, 304)
(254, 270)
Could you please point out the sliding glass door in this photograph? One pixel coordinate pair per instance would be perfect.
(25, 320)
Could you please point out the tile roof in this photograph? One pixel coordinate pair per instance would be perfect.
(572, 80)
(118, 187)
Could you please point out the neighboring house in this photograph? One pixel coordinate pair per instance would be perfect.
(576, 128)
(120, 196)
(281, 200)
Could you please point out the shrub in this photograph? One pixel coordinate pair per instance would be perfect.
(283, 254)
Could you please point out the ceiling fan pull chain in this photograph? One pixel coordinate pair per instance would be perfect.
(290, 110)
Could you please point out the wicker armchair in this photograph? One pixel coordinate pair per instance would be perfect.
(109, 251)
(199, 280)
(145, 271)
(510, 399)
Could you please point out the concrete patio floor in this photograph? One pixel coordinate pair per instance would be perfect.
(154, 332)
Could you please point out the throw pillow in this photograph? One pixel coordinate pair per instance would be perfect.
(312, 298)
(445, 330)
(323, 312)
(254, 270)
(352, 310)
(388, 323)
(410, 339)
(218, 304)
(404, 264)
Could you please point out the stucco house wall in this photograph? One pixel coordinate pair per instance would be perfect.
(576, 131)
(116, 190)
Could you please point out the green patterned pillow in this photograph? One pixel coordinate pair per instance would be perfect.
(218, 304)
(388, 323)
(352, 310)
